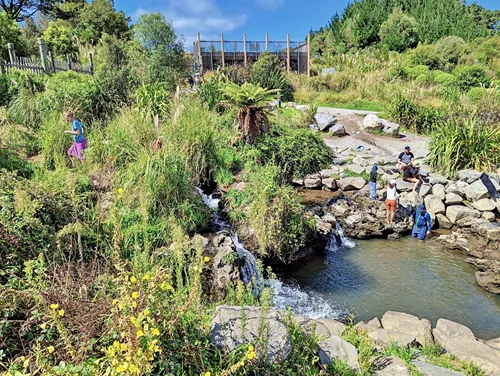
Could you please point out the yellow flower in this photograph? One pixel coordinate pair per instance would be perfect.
(133, 320)
(122, 334)
(135, 295)
(134, 304)
(251, 348)
(115, 302)
(43, 326)
(54, 306)
(207, 259)
(51, 349)
(133, 279)
(120, 191)
(251, 355)
(208, 374)
(157, 349)
(61, 312)
(146, 312)
(116, 344)
(123, 347)
(26, 363)
(120, 306)
(140, 334)
(146, 277)
(155, 332)
(133, 368)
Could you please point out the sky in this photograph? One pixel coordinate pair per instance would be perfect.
(253, 17)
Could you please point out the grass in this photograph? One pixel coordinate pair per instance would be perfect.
(363, 105)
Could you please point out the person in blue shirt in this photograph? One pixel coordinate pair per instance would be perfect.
(422, 223)
(79, 141)
(373, 182)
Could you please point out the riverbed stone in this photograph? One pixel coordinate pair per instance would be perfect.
(470, 221)
(372, 123)
(468, 176)
(335, 348)
(225, 272)
(458, 188)
(459, 340)
(443, 221)
(371, 326)
(406, 323)
(312, 183)
(437, 179)
(457, 212)
(403, 186)
(489, 216)
(476, 191)
(330, 183)
(390, 366)
(489, 280)
(324, 121)
(439, 190)
(434, 204)
(337, 130)
(391, 129)
(428, 369)
(351, 183)
(357, 169)
(453, 199)
(485, 204)
(415, 199)
(424, 190)
(384, 337)
(298, 182)
(233, 326)
(495, 343)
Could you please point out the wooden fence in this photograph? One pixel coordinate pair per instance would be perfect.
(45, 64)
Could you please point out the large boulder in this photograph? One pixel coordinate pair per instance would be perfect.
(476, 191)
(330, 183)
(459, 340)
(489, 216)
(443, 221)
(225, 271)
(384, 337)
(337, 130)
(437, 179)
(495, 343)
(322, 328)
(357, 169)
(489, 280)
(405, 323)
(415, 199)
(424, 190)
(403, 186)
(335, 348)
(351, 184)
(434, 204)
(458, 188)
(453, 199)
(468, 176)
(456, 212)
(390, 366)
(372, 123)
(439, 190)
(313, 183)
(371, 326)
(485, 205)
(391, 129)
(428, 369)
(324, 121)
(233, 326)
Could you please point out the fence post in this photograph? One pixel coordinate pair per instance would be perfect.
(308, 55)
(68, 59)
(43, 55)
(267, 42)
(91, 62)
(200, 58)
(222, 48)
(12, 53)
(288, 53)
(52, 61)
(245, 49)
(3, 70)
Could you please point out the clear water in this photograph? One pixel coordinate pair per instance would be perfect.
(376, 276)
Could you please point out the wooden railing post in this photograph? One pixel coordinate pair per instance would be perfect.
(52, 62)
(288, 53)
(68, 59)
(91, 62)
(43, 55)
(267, 42)
(222, 48)
(12, 53)
(200, 59)
(245, 49)
(308, 55)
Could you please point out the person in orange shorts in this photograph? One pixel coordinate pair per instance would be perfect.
(391, 203)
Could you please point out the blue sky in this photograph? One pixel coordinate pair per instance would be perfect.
(253, 17)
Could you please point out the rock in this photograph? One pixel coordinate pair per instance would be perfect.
(336, 348)
(489, 281)
(323, 328)
(485, 205)
(353, 219)
(373, 123)
(453, 199)
(330, 183)
(328, 71)
(405, 323)
(476, 191)
(324, 121)
(302, 107)
(437, 179)
(495, 343)
(460, 341)
(351, 184)
(236, 326)
(313, 128)
(337, 130)
(387, 177)
(330, 172)
(489, 216)
(225, 270)
(415, 199)
(489, 230)
(334, 328)
(384, 337)
(390, 366)
(424, 190)
(428, 369)
(456, 212)
(329, 218)
(458, 188)
(391, 129)
(312, 183)
(357, 169)
(324, 228)
(438, 190)
(372, 325)
(434, 205)
(468, 176)
(403, 186)
(443, 221)
(470, 221)
(298, 182)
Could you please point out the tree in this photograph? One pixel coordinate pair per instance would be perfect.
(20, 10)
(9, 33)
(58, 36)
(399, 32)
(251, 101)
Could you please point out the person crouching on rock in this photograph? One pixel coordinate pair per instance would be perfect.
(391, 201)
(412, 175)
(422, 223)
(373, 182)
(79, 141)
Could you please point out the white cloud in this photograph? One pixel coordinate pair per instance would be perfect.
(192, 16)
(271, 4)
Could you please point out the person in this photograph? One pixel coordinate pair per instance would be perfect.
(191, 82)
(391, 201)
(198, 80)
(412, 175)
(405, 159)
(77, 130)
(422, 223)
(373, 182)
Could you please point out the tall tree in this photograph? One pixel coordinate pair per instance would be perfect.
(20, 10)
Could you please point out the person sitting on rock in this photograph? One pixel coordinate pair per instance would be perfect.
(391, 204)
(405, 159)
(422, 223)
(373, 182)
(412, 175)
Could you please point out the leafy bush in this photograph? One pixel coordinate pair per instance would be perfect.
(476, 94)
(399, 32)
(419, 70)
(5, 96)
(471, 76)
(459, 144)
(239, 74)
(296, 152)
(426, 54)
(452, 49)
(268, 73)
(444, 78)
(488, 109)
(413, 116)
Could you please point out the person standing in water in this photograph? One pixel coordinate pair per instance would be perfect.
(373, 182)
(79, 141)
(391, 203)
(422, 223)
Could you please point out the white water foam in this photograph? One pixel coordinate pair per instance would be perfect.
(344, 240)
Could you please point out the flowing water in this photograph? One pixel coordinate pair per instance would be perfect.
(378, 275)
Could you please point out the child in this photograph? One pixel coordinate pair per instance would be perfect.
(391, 203)
(373, 182)
(79, 141)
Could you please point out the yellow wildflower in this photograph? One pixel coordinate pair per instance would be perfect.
(207, 259)
(120, 191)
(146, 277)
(114, 362)
(208, 374)
(140, 334)
(115, 302)
(155, 332)
(251, 348)
(134, 304)
(251, 355)
(133, 320)
(123, 334)
(133, 279)
(133, 368)
(51, 349)
(135, 295)
(54, 306)
(43, 326)
(61, 312)
(120, 306)
(26, 363)
(157, 349)
(116, 344)
(123, 347)
(146, 312)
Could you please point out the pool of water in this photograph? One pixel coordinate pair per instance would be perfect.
(376, 276)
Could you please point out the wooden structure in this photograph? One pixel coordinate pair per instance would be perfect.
(209, 55)
(45, 63)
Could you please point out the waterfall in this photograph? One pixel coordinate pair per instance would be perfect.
(344, 240)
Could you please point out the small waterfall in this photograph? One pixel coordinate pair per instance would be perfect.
(344, 240)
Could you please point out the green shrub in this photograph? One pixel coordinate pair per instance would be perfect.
(452, 49)
(459, 144)
(239, 74)
(488, 109)
(54, 142)
(399, 32)
(426, 54)
(471, 76)
(476, 94)
(268, 73)
(413, 116)
(444, 78)
(419, 70)
(5, 96)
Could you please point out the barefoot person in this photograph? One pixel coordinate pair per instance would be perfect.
(79, 142)
(422, 223)
(405, 159)
(391, 204)
(412, 175)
